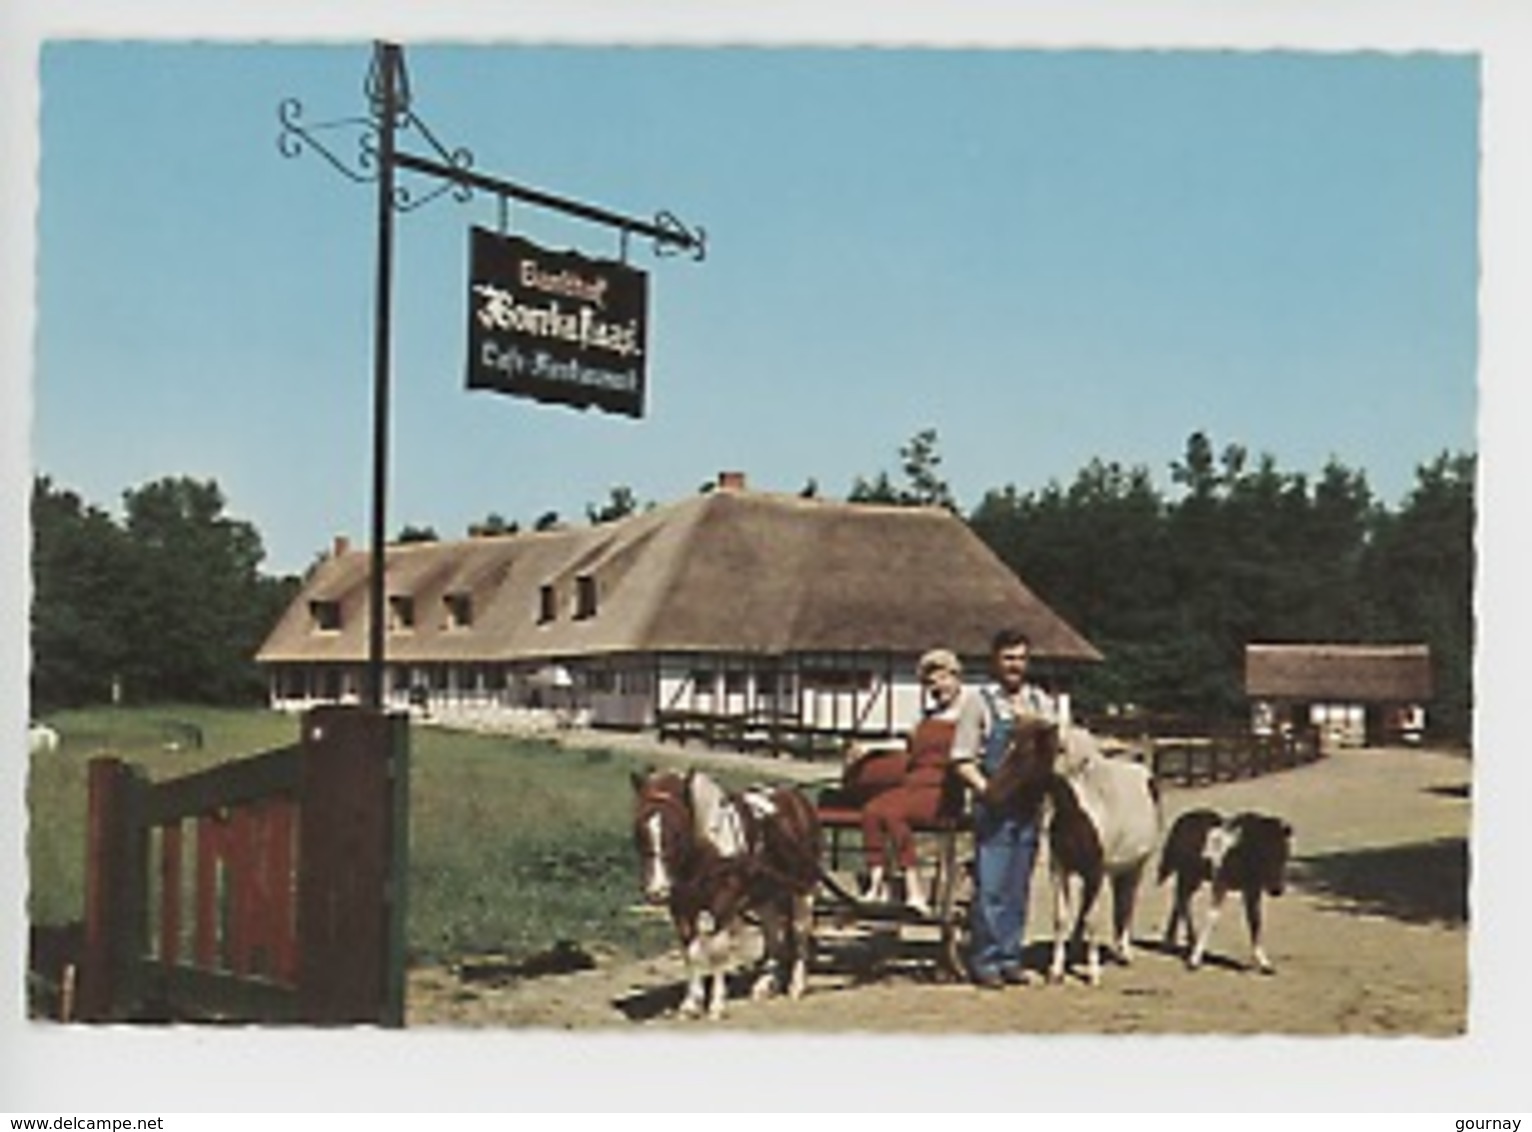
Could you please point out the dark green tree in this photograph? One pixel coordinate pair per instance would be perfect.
(1173, 590)
(196, 608)
(79, 574)
(494, 524)
(620, 503)
(1418, 574)
(920, 461)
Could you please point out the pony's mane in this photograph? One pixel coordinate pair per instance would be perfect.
(1079, 750)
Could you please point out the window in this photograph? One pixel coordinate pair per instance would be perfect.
(633, 682)
(401, 612)
(702, 681)
(838, 679)
(459, 610)
(735, 683)
(293, 681)
(547, 605)
(585, 596)
(325, 616)
(774, 684)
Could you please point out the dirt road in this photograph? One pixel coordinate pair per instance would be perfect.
(1371, 938)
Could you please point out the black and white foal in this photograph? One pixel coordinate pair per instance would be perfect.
(1246, 853)
(712, 857)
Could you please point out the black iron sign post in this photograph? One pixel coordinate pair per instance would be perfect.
(553, 326)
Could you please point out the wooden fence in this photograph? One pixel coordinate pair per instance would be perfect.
(757, 731)
(1192, 760)
(292, 909)
(1201, 761)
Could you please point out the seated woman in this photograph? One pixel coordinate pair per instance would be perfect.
(887, 837)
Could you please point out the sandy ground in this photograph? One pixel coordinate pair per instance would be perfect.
(1371, 938)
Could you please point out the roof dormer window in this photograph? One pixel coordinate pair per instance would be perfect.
(401, 613)
(585, 596)
(459, 610)
(324, 616)
(547, 604)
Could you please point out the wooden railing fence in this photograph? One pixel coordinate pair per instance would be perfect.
(1201, 761)
(758, 731)
(292, 908)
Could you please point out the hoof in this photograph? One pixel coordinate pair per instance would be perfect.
(765, 987)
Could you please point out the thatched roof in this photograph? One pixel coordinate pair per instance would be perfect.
(1351, 673)
(731, 571)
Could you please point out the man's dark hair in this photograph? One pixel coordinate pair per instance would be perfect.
(1009, 638)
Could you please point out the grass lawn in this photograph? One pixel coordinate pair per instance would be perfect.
(515, 844)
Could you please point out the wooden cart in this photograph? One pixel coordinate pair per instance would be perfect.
(944, 849)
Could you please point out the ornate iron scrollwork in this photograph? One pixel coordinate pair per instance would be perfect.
(362, 166)
(451, 169)
(679, 237)
(296, 137)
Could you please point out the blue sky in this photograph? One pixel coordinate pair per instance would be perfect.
(1044, 255)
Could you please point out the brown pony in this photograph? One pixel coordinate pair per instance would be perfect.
(714, 857)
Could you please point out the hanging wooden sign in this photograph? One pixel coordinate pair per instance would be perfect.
(556, 326)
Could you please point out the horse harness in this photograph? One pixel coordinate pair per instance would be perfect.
(710, 879)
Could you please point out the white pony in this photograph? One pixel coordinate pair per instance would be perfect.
(1104, 824)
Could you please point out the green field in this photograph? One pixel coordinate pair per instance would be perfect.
(515, 845)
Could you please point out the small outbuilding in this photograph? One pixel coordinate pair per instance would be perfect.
(1356, 694)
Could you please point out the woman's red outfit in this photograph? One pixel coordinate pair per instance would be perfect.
(887, 817)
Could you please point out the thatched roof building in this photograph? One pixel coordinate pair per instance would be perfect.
(1339, 673)
(727, 574)
(1354, 693)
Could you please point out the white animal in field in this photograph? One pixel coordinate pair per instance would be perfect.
(41, 739)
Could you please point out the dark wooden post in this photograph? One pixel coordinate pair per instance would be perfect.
(116, 890)
(170, 893)
(353, 823)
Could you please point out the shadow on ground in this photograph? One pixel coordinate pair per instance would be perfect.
(1456, 790)
(1421, 883)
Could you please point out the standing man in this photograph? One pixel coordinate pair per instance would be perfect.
(1005, 843)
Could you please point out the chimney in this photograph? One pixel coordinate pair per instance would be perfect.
(342, 547)
(731, 481)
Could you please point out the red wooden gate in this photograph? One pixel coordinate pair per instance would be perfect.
(293, 907)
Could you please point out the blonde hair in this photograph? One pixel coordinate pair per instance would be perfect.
(944, 660)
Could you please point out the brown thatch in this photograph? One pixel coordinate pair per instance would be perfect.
(727, 571)
(1339, 673)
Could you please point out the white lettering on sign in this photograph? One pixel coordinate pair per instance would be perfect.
(499, 310)
(518, 363)
(570, 284)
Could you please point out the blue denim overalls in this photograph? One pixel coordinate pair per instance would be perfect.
(1005, 850)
